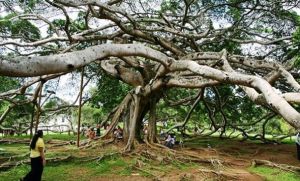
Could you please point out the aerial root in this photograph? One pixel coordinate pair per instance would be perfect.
(165, 155)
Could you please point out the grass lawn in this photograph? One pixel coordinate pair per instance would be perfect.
(274, 174)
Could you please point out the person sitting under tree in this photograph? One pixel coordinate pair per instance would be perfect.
(170, 141)
(118, 133)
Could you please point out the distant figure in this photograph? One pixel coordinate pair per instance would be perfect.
(118, 133)
(92, 134)
(106, 126)
(165, 124)
(298, 145)
(98, 130)
(145, 130)
(162, 134)
(181, 143)
(170, 141)
(37, 158)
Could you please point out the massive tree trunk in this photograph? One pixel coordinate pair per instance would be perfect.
(131, 112)
(151, 130)
(133, 121)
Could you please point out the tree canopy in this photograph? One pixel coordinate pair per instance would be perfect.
(217, 51)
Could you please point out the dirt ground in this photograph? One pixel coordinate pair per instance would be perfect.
(237, 157)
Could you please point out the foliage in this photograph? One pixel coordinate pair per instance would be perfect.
(89, 115)
(170, 5)
(109, 93)
(13, 26)
(29, 4)
(20, 115)
(8, 83)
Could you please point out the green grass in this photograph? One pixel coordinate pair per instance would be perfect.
(14, 173)
(14, 149)
(273, 174)
(112, 166)
(73, 170)
(115, 165)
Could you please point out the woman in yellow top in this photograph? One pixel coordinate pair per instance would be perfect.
(37, 158)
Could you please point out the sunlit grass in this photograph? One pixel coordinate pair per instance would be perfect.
(273, 174)
(14, 149)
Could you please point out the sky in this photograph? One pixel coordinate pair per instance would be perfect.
(68, 87)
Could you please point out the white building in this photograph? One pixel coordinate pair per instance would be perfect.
(56, 123)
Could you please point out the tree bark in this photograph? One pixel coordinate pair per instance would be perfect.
(151, 130)
(133, 121)
(79, 107)
(38, 112)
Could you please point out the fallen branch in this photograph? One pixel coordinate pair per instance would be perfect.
(10, 141)
(62, 143)
(10, 164)
(6, 159)
(284, 167)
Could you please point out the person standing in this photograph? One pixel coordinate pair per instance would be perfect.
(98, 130)
(37, 158)
(298, 144)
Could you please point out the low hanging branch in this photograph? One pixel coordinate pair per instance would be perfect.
(8, 165)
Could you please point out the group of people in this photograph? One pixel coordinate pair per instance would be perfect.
(93, 133)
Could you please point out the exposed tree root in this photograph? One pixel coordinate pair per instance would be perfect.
(102, 157)
(284, 167)
(220, 174)
(163, 154)
(89, 144)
